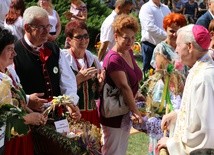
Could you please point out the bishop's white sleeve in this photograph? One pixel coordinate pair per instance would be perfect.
(200, 130)
(68, 83)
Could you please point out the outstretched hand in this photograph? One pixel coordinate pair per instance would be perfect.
(36, 102)
(74, 112)
(137, 117)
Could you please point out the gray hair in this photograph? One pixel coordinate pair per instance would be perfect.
(188, 37)
(210, 1)
(32, 13)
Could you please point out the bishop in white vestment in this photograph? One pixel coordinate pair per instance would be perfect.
(194, 121)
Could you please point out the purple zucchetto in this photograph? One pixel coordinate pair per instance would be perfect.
(202, 36)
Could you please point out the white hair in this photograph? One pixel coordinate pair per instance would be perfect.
(33, 12)
(210, 1)
(188, 37)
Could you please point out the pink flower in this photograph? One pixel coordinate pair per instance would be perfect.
(150, 148)
(156, 150)
(178, 65)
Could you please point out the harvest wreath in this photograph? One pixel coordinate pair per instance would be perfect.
(83, 138)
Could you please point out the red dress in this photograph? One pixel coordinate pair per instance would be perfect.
(20, 145)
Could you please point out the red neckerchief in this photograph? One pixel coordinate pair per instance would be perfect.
(44, 54)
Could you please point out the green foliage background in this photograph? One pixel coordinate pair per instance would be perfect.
(97, 12)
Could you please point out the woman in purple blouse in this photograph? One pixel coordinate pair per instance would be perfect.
(122, 72)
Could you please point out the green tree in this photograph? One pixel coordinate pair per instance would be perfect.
(97, 12)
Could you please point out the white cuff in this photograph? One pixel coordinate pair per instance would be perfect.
(27, 99)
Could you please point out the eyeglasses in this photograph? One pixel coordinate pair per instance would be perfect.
(81, 37)
(42, 27)
(128, 38)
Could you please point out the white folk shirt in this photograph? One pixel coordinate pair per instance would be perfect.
(65, 56)
(151, 21)
(91, 58)
(68, 83)
(194, 125)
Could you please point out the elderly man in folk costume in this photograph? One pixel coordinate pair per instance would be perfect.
(194, 128)
(41, 66)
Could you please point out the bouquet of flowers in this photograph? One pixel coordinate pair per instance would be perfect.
(11, 114)
(158, 88)
(57, 109)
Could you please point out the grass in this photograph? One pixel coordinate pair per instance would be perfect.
(138, 144)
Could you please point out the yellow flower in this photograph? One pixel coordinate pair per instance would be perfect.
(151, 72)
(136, 48)
(97, 46)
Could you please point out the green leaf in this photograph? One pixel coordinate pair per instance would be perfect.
(20, 127)
(170, 68)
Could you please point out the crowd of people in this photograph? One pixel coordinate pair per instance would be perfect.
(33, 69)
